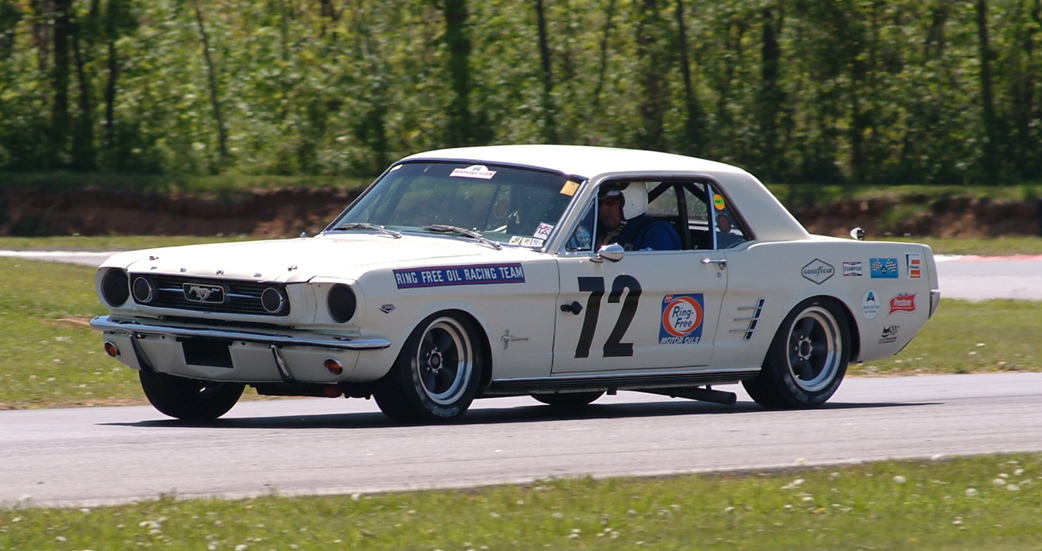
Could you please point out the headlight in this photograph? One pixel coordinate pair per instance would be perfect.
(272, 300)
(341, 303)
(115, 287)
(143, 290)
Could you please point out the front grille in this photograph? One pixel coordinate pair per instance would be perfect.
(234, 297)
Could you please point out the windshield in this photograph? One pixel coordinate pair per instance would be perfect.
(504, 204)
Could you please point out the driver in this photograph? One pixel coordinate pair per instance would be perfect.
(623, 219)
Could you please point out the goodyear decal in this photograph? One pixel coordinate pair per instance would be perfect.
(487, 274)
(818, 271)
(682, 317)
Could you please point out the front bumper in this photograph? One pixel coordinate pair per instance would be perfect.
(252, 357)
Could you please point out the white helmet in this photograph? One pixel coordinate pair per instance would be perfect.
(634, 197)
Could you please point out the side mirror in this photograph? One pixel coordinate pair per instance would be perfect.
(858, 233)
(611, 251)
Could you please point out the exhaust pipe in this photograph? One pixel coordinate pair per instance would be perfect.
(706, 394)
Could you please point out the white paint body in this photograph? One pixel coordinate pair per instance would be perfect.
(528, 335)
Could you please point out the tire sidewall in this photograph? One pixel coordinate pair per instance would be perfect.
(183, 399)
(778, 364)
(409, 373)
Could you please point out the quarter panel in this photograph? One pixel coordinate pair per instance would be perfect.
(889, 307)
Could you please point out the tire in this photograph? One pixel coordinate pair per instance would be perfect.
(189, 399)
(437, 373)
(569, 400)
(807, 359)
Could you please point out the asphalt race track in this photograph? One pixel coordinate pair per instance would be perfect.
(317, 446)
(321, 446)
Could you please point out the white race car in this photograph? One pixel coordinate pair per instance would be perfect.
(560, 272)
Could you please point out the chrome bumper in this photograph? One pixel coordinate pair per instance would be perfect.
(106, 324)
(935, 301)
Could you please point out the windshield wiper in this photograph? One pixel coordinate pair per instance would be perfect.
(368, 226)
(443, 228)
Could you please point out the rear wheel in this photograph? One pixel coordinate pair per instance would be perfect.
(569, 400)
(189, 399)
(807, 359)
(437, 372)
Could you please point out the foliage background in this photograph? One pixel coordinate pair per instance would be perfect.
(843, 91)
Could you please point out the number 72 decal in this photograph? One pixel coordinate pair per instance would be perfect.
(613, 347)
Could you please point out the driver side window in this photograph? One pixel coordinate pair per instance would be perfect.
(582, 238)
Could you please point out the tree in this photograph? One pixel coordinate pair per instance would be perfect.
(459, 130)
(10, 16)
(211, 72)
(117, 21)
(990, 159)
(60, 83)
(770, 97)
(694, 118)
(549, 126)
(654, 98)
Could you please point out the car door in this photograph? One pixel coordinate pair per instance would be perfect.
(649, 310)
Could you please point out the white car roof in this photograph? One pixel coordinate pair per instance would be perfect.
(585, 161)
(762, 212)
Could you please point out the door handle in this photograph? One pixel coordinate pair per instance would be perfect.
(574, 307)
(720, 262)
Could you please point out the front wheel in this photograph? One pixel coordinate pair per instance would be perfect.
(437, 372)
(189, 399)
(807, 359)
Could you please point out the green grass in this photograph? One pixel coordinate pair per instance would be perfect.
(1001, 246)
(53, 359)
(987, 502)
(107, 243)
(51, 356)
(811, 195)
(970, 337)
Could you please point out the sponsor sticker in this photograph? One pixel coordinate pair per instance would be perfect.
(870, 304)
(905, 302)
(543, 231)
(481, 172)
(718, 201)
(889, 334)
(515, 240)
(818, 271)
(682, 317)
(915, 266)
(569, 188)
(487, 274)
(883, 268)
(852, 269)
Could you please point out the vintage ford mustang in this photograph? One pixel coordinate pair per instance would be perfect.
(559, 272)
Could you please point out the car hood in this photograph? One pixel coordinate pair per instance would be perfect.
(295, 260)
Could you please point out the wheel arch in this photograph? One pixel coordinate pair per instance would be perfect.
(841, 307)
(482, 337)
(852, 326)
